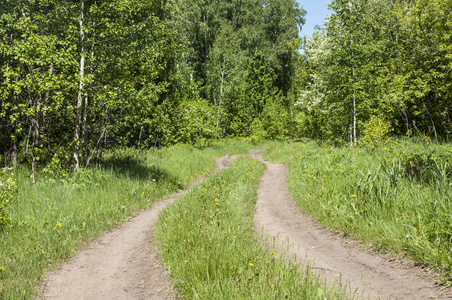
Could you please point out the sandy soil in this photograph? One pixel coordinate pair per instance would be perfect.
(123, 263)
(371, 275)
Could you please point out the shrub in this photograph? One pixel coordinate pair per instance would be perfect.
(274, 120)
(428, 165)
(257, 131)
(375, 132)
(8, 192)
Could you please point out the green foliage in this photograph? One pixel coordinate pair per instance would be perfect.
(428, 166)
(275, 120)
(385, 58)
(138, 73)
(36, 81)
(59, 166)
(73, 87)
(196, 119)
(309, 123)
(257, 131)
(8, 194)
(375, 132)
(242, 52)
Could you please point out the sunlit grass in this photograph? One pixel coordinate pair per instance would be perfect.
(397, 197)
(209, 245)
(52, 219)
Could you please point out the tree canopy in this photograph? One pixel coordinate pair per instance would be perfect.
(80, 77)
(388, 59)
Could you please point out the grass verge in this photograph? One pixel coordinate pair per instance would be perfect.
(209, 245)
(397, 198)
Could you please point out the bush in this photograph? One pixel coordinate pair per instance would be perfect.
(257, 131)
(375, 132)
(428, 165)
(274, 120)
(8, 193)
(197, 122)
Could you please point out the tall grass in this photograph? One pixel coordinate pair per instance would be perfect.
(52, 219)
(209, 245)
(398, 197)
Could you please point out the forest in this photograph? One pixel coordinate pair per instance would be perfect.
(80, 77)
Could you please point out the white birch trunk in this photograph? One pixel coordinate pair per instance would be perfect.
(78, 120)
(221, 96)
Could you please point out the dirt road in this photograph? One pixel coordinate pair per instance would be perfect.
(370, 275)
(123, 264)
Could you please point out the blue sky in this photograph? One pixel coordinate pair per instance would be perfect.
(317, 11)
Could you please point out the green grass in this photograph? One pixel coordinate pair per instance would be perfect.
(397, 198)
(52, 219)
(209, 245)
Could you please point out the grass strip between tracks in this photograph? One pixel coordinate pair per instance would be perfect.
(209, 245)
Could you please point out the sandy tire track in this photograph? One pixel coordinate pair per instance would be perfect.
(121, 264)
(370, 275)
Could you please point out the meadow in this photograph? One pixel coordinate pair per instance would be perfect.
(209, 244)
(395, 198)
(58, 215)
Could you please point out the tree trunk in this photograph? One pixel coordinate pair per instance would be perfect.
(89, 93)
(14, 153)
(139, 141)
(34, 143)
(221, 96)
(78, 120)
(14, 141)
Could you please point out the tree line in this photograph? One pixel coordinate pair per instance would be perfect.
(78, 77)
(81, 76)
(379, 64)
